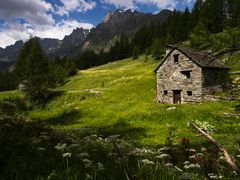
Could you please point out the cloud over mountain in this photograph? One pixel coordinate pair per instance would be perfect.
(22, 19)
(16, 31)
(55, 18)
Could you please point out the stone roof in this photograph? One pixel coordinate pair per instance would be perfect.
(201, 58)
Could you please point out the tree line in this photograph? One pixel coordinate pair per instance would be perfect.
(206, 18)
(36, 72)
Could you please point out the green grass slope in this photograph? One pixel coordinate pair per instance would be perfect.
(119, 98)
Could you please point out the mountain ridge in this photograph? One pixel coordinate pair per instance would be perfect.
(101, 37)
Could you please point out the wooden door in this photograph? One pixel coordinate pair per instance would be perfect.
(177, 97)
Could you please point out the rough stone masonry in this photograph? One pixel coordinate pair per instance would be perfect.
(187, 75)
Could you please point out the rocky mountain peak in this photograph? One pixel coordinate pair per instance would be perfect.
(101, 37)
(107, 17)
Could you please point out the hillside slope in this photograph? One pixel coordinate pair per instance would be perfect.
(119, 98)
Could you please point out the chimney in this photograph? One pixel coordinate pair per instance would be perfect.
(168, 49)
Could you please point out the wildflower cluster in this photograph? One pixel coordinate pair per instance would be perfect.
(205, 126)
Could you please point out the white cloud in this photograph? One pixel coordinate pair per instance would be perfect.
(16, 31)
(133, 4)
(35, 17)
(74, 5)
(36, 11)
(161, 4)
(125, 4)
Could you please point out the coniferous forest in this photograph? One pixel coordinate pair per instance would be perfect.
(206, 19)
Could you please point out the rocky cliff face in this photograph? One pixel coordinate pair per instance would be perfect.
(10, 52)
(72, 44)
(120, 22)
(101, 37)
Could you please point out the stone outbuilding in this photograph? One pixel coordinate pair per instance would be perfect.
(187, 75)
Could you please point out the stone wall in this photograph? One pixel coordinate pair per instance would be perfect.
(170, 76)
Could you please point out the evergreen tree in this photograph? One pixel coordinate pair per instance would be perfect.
(195, 15)
(70, 67)
(135, 52)
(157, 48)
(212, 15)
(32, 66)
(199, 36)
(57, 74)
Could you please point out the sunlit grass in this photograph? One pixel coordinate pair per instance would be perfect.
(119, 98)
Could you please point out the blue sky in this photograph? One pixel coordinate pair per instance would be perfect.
(20, 19)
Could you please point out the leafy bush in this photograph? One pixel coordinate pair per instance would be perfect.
(12, 105)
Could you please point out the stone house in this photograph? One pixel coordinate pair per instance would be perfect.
(187, 75)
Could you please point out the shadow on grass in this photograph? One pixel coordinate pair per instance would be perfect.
(51, 95)
(237, 108)
(121, 128)
(66, 118)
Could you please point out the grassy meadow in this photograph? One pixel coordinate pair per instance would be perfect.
(104, 123)
(119, 98)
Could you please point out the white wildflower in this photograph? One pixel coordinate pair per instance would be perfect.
(162, 156)
(213, 177)
(192, 157)
(74, 146)
(60, 146)
(222, 158)
(41, 149)
(178, 169)
(192, 150)
(164, 149)
(186, 176)
(186, 162)
(52, 175)
(87, 162)
(146, 161)
(113, 138)
(235, 173)
(169, 165)
(199, 155)
(100, 166)
(192, 166)
(88, 176)
(67, 155)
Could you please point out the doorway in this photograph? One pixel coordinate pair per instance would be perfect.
(176, 96)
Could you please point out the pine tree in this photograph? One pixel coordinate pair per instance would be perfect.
(70, 67)
(199, 36)
(157, 48)
(58, 74)
(195, 15)
(32, 66)
(135, 52)
(212, 15)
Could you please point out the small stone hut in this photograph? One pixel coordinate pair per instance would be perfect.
(187, 75)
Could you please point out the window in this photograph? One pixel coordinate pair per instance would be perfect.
(189, 93)
(187, 74)
(176, 58)
(165, 92)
